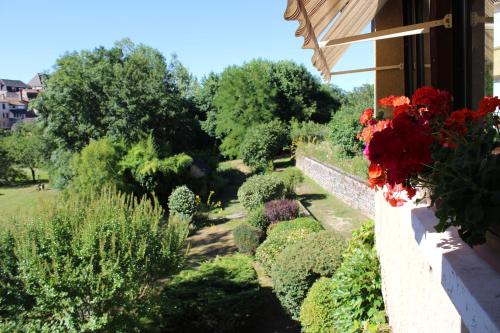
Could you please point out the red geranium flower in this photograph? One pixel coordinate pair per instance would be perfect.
(394, 101)
(366, 116)
(402, 148)
(376, 176)
(488, 105)
(434, 101)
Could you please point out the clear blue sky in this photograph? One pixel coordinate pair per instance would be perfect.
(206, 35)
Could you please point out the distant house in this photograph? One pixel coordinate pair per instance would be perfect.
(36, 83)
(12, 88)
(12, 111)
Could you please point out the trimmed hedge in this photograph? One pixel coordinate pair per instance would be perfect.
(260, 189)
(219, 296)
(301, 263)
(281, 235)
(350, 301)
(247, 238)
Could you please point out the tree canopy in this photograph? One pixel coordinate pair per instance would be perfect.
(260, 91)
(126, 93)
(26, 147)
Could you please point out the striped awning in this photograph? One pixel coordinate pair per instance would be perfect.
(322, 20)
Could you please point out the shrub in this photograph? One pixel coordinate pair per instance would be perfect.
(281, 210)
(13, 298)
(97, 166)
(182, 202)
(308, 131)
(281, 235)
(259, 189)
(147, 171)
(291, 177)
(301, 263)
(258, 219)
(247, 238)
(218, 296)
(345, 124)
(90, 260)
(352, 298)
(262, 143)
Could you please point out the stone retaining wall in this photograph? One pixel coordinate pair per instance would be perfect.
(350, 189)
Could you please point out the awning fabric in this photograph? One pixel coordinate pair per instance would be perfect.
(330, 19)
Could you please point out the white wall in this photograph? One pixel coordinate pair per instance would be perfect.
(432, 282)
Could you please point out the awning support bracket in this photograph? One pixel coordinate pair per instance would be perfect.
(407, 30)
(400, 67)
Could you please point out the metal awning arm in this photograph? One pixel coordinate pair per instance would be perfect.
(407, 30)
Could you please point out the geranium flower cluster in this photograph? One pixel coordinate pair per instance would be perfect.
(400, 148)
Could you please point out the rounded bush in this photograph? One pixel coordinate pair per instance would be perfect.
(258, 219)
(219, 296)
(259, 189)
(352, 298)
(281, 210)
(262, 143)
(182, 202)
(281, 235)
(317, 308)
(300, 264)
(247, 238)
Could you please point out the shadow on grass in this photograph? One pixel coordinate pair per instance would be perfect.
(307, 198)
(221, 299)
(24, 184)
(270, 317)
(284, 163)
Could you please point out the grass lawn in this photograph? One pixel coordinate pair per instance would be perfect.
(332, 212)
(23, 197)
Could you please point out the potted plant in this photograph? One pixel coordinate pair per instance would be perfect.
(455, 155)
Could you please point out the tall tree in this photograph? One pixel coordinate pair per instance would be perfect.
(205, 102)
(260, 91)
(126, 92)
(246, 97)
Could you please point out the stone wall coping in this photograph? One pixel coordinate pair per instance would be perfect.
(331, 166)
(472, 284)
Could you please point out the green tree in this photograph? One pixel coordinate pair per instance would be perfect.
(7, 171)
(26, 147)
(204, 99)
(260, 91)
(125, 92)
(246, 97)
(300, 95)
